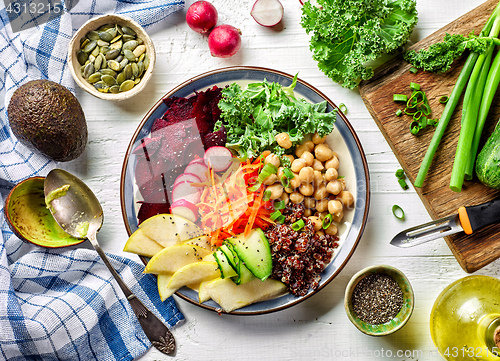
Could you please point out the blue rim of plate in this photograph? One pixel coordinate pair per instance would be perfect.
(250, 73)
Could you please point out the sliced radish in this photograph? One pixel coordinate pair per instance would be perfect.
(197, 161)
(184, 190)
(198, 169)
(185, 209)
(218, 158)
(187, 177)
(267, 12)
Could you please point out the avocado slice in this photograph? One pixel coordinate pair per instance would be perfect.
(45, 116)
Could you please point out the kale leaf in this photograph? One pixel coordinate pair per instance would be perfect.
(253, 116)
(347, 35)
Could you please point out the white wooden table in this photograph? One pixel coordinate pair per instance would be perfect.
(318, 328)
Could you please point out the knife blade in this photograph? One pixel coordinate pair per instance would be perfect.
(467, 219)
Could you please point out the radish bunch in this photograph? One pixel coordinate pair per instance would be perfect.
(185, 194)
(224, 40)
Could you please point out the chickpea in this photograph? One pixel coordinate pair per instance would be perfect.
(280, 173)
(297, 165)
(322, 215)
(273, 178)
(323, 152)
(318, 178)
(306, 189)
(338, 217)
(306, 175)
(301, 149)
(320, 192)
(346, 198)
(310, 145)
(335, 207)
(331, 174)
(332, 163)
(296, 197)
(342, 182)
(308, 157)
(289, 190)
(316, 139)
(309, 203)
(334, 187)
(283, 140)
(284, 197)
(276, 190)
(273, 159)
(320, 233)
(316, 222)
(308, 212)
(322, 205)
(317, 165)
(295, 181)
(331, 230)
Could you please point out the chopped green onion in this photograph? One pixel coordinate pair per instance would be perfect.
(267, 195)
(399, 112)
(402, 183)
(285, 182)
(417, 115)
(275, 215)
(327, 221)
(296, 226)
(400, 98)
(265, 172)
(288, 173)
(281, 219)
(425, 108)
(281, 204)
(400, 173)
(398, 212)
(414, 127)
(414, 86)
(413, 70)
(293, 132)
(444, 99)
(343, 108)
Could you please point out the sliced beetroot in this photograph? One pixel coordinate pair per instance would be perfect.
(147, 147)
(217, 138)
(148, 210)
(179, 110)
(158, 124)
(206, 110)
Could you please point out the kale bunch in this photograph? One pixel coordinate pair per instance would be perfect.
(348, 35)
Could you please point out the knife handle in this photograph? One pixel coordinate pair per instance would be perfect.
(475, 217)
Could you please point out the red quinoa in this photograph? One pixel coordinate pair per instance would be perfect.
(299, 256)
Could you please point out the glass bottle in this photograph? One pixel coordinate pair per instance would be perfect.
(465, 319)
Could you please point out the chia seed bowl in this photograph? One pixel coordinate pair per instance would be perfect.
(379, 300)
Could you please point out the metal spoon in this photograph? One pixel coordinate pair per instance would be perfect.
(79, 213)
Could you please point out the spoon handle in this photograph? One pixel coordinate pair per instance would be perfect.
(156, 331)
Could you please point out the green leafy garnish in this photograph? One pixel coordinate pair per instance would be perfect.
(348, 35)
(255, 115)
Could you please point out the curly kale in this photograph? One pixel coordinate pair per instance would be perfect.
(347, 35)
(439, 56)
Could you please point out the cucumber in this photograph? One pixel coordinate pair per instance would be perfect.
(241, 273)
(255, 252)
(488, 161)
(225, 267)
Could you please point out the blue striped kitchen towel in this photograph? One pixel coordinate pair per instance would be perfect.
(63, 304)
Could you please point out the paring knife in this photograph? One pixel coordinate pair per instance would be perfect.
(468, 220)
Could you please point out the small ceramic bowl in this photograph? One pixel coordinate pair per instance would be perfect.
(395, 323)
(94, 24)
(30, 219)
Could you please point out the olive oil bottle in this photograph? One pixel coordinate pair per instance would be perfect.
(465, 319)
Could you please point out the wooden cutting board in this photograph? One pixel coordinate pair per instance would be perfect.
(479, 249)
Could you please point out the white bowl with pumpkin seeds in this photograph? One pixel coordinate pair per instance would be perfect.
(111, 57)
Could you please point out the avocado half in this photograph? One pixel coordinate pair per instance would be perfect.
(47, 117)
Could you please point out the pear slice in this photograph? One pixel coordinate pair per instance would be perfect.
(163, 289)
(170, 229)
(142, 245)
(194, 273)
(170, 259)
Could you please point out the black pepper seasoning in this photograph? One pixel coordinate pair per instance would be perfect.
(377, 299)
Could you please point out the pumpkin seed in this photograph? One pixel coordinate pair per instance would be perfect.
(102, 43)
(82, 57)
(119, 58)
(126, 37)
(129, 55)
(105, 49)
(146, 62)
(128, 31)
(93, 35)
(117, 45)
(141, 58)
(130, 45)
(114, 65)
(108, 79)
(100, 84)
(84, 43)
(137, 81)
(140, 65)
(127, 85)
(140, 41)
(91, 58)
(123, 63)
(112, 54)
(107, 71)
(116, 38)
(139, 50)
(95, 52)
(135, 70)
(106, 36)
(90, 46)
(88, 70)
(127, 70)
(115, 89)
(113, 32)
(120, 78)
(94, 77)
(98, 62)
